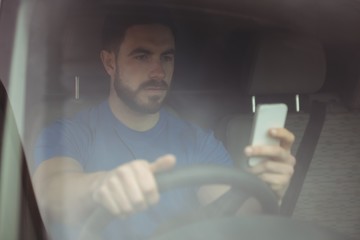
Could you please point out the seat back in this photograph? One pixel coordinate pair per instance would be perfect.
(68, 75)
(330, 193)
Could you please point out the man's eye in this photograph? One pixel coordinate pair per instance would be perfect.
(168, 58)
(142, 57)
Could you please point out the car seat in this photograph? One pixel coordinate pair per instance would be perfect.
(290, 65)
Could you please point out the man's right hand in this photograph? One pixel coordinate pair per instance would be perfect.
(131, 187)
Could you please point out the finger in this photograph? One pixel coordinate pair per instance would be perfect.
(131, 187)
(146, 182)
(286, 137)
(103, 197)
(270, 166)
(119, 196)
(280, 189)
(275, 179)
(163, 163)
(277, 188)
(274, 152)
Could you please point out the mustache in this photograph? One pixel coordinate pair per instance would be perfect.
(155, 84)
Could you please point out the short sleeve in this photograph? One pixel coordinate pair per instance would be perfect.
(210, 150)
(64, 138)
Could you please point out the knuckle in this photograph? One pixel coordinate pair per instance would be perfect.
(113, 182)
(127, 210)
(142, 162)
(154, 199)
(292, 137)
(137, 163)
(139, 203)
(284, 180)
(140, 165)
(123, 172)
(150, 193)
(271, 179)
(125, 205)
(276, 187)
(267, 165)
(136, 198)
(102, 191)
(278, 181)
(278, 151)
(148, 190)
(291, 171)
(264, 178)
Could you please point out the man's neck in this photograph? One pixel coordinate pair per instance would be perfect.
(132, 119)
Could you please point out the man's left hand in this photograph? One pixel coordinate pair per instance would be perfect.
(277, 167)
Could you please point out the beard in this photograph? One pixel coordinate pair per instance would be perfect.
(131, 97)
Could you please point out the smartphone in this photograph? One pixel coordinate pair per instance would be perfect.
(266, 116)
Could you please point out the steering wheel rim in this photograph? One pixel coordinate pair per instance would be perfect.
(194, 175)
(211, 174)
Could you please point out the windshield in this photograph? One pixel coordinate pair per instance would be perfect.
(107, 97)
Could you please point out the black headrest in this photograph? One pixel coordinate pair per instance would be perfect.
(287, 64)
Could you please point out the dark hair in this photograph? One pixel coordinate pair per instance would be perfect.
(115, 27)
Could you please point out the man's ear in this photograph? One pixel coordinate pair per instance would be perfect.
(108, 60)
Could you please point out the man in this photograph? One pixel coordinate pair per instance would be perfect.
(107, 156)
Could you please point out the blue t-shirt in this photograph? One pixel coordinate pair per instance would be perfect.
(100, 142)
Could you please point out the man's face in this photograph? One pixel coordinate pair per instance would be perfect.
(144, 67)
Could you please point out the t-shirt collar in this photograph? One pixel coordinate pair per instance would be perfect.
(128, 132)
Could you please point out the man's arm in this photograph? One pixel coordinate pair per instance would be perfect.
(66, 194)
(276, 170)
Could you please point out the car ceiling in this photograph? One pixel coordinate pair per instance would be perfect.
(333, 21)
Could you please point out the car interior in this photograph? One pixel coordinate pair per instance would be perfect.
(230, 56)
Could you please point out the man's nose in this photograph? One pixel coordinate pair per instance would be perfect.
(157, 71)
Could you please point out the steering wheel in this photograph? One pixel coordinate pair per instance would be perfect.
(195, 175)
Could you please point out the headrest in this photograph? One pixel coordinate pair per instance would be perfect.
(287, 64)
(80, 48)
